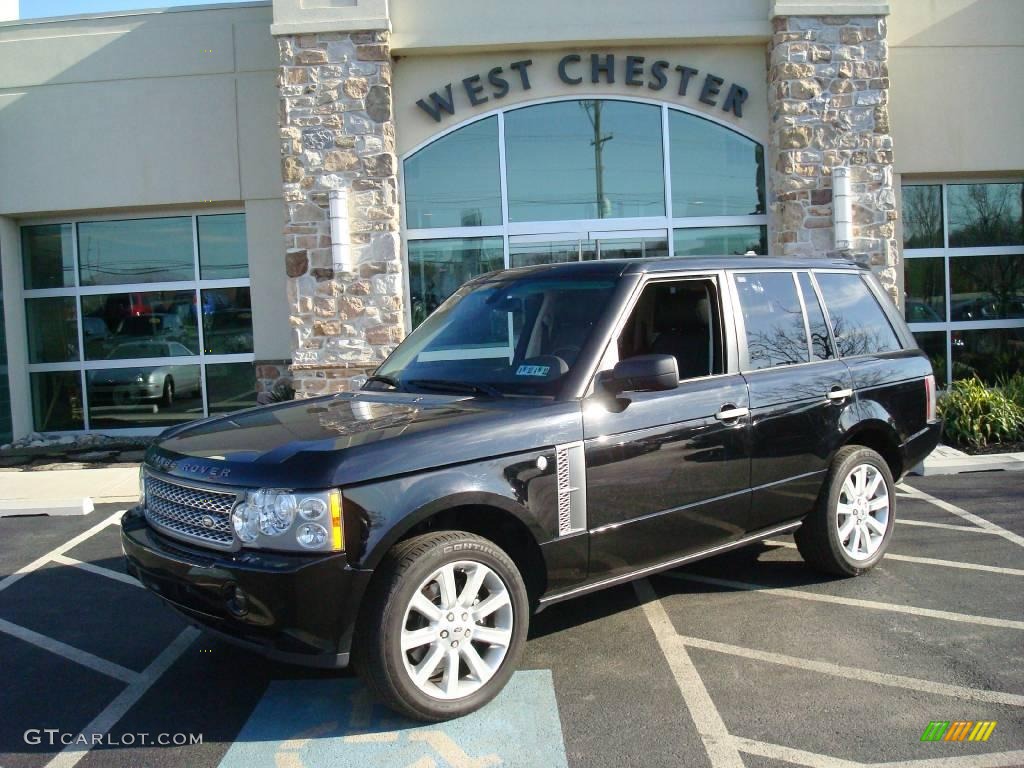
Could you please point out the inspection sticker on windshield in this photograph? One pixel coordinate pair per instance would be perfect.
(533, 370)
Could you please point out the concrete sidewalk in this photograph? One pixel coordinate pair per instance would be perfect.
(66, 491)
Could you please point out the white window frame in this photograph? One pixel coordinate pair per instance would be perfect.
(76, 291)
(582, 229)
(946, 252)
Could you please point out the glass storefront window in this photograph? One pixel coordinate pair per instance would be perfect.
(135, 251)
(721, 241)
(933, 343)
(525, 254)
(227, 321)
(990, 354)
(715, 171)
(52, 329)
(230, 387)
(6, 425)
(924, 290)
(136, 350)
(151, 396)
(922, 216)
(632, 247)
(118, 326)
(47, 256)
(223, 248)
(589, 159)
(986, 287)
(57, 401)
(438, 267)
(454, 182)
(985, 214)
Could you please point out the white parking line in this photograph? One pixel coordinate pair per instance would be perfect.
(107, 719)
(124, 578)
(69, 652)
(68, 545)
(767, 589)
(801, 757)
(721, 751)
(947, 526)
(968, 516)
(855, 673)
(927, 561)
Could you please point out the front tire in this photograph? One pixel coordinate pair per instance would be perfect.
(443, 626)
(849, 529)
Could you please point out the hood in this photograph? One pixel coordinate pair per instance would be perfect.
(357, 437)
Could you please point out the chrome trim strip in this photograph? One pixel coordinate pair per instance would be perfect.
(664, 566)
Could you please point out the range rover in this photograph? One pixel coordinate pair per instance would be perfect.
(548, 431)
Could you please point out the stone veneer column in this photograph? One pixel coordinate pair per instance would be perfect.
(337, 133)
(828, 94)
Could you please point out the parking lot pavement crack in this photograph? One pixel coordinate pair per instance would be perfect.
(69, 652)
(851, 601)
(968, 516)
(721, 750)
(109, 717)
(856, 673)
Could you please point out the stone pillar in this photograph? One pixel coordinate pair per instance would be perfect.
(337, 133)
(828, 95)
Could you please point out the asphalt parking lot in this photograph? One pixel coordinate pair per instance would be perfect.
(748, 659)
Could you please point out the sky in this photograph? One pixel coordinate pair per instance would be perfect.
(37, 9)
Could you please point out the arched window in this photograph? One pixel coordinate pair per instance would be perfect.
(577, 179)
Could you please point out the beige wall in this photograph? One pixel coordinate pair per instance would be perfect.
(441, 25)
(417, 76)
(957, 91)
(128, 111)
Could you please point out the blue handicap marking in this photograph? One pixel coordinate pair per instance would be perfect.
(337, 722)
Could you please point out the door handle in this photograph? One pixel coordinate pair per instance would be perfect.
(728, 413)
(835, 394)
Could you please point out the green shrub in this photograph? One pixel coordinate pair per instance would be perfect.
(1013, 387)
(977, 416)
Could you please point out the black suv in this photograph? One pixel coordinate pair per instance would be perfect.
(547, 432)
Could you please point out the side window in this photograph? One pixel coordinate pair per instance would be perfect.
(821, 343)
(773, 319)
(858, 323)
(679, 318)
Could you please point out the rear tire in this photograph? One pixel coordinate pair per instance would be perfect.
(849, 529)
(431, 593)
(168, 396)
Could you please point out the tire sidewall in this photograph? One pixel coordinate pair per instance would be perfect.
(467, 548)
(842, 469)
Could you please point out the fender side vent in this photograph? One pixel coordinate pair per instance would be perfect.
(571, 476)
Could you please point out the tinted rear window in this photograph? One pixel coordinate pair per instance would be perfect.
(773, 319)
(858, 321)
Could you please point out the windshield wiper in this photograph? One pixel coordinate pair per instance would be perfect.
(456, 386)
(382, 379)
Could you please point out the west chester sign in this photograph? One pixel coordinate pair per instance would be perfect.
(595, 68)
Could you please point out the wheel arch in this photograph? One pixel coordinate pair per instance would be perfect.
(880, 437)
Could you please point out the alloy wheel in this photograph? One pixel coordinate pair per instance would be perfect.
(863, 511)
(456, 630)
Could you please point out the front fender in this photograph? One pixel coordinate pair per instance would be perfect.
(383, 512)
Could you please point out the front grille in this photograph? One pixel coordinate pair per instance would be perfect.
(192, 514)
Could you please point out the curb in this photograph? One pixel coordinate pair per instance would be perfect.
(955, 465)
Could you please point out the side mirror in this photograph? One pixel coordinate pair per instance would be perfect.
(645, 373)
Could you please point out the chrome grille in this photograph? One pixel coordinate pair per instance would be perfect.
(193, 514)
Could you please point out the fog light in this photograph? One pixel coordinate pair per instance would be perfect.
(238, 602)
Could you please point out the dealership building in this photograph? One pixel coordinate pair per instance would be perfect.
(201, 204)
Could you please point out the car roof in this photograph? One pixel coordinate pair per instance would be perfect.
(618, 267)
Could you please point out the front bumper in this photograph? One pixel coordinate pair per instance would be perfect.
(296, 608)
(920, 444)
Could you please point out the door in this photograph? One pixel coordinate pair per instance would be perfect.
(667, 473)
(797, 386)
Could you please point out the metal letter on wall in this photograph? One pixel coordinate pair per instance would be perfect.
(571, 477)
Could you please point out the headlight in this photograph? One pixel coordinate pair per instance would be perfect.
(274, 518)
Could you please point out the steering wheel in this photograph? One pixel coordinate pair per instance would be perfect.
(567, 352)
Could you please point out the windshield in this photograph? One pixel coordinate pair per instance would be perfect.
(516, 334)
